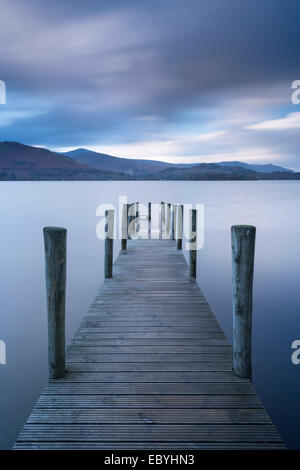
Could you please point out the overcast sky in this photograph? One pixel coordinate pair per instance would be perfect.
(193, 81)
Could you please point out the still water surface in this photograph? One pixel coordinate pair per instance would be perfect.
(26, 207)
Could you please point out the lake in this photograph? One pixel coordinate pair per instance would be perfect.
(26, 207)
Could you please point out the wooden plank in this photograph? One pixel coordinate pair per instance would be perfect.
(154, 433)
(149, 416)
(79, 348)
(149, 401)
(65, 388)
(152, 377)
(187, 358)
(148, 446)
(147, 366)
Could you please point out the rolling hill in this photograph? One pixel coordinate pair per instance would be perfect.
(23, 162)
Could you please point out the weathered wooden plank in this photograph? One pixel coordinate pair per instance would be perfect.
(82, 340)
(65, 388)
(148, 366)
(149, 416)
(76, 348)
(158, 432)
(177, 377)
(214, 358)
(148, 446)
(149, 401)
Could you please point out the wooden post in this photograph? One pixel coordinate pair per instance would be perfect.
(55, 240)
(168, 220)
(193, 240)
(243, 247)
(179, 231)
(124, 226)
(109, 234)
(173, 220)
(137, 216)
(149, 210)
(130, 218)
(162, 218)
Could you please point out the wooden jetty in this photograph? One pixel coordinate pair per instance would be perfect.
(149, 368)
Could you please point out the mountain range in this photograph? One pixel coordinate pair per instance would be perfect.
(24, 162)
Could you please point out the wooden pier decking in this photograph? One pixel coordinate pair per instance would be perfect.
(149, 368)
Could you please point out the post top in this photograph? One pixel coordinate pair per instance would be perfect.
(54, 229)
(243, 226)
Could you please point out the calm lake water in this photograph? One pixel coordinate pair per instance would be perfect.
(26, 207)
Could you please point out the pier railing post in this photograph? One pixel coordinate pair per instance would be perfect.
(173, 221)
(179, 229)
(168, 220)
(243, 247)
(55, 240)
(162, 219)
(193, 241)
(130, 219)
(109, 241)
(124, 226)
(137, 217)
(149, 210)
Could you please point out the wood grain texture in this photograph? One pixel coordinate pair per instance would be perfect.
(149, 368)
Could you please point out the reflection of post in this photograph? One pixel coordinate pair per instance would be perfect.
(179, 230)
(243, 247)
(193, 243)
(109, 240)
(55, 240)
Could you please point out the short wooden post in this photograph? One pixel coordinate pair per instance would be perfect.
(109, 243)
(179, 230)
(162, 218)
(168, 220)
(173, 220)
(130, 219)
(137, 215)
(124, 226)
(149, 210)
(243, 247)
(55, 240)
(193, 241)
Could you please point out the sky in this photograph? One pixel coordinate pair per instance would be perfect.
(193, 81)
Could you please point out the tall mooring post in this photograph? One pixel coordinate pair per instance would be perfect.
(55, 240)
(109, 243)
(149, 210)
(193, 243)
(243, 247)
